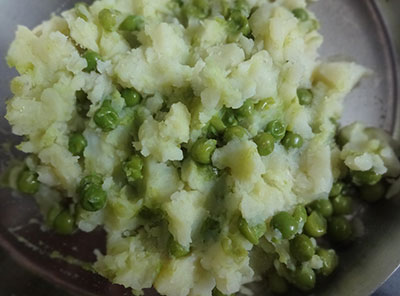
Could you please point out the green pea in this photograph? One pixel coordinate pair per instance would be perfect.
(92, 179)
(322, 206)
(300, 14)
(300, 215)
(52, 215)
(285, 223)
(27, 182)
(302, 248)
(246, 110)
(131, 96)
(239, 23)
(235, 132)
(106, 117)
(202, 150)
(217, 292)
(265, 143)
(77, 144)
(133, 168)
(265, 104)
(93, 198)
(315, 225)
(373, 193)
(252, 233)
(277, 284)
(198, 8)
(82, 103)
(64, 223)
(365, 177)
(107, 19)
(305, 96)
(176, 249)
(81, 9)
(329, 261)
(229, 118)
(349, 190)
(91, 58)
(339, 229)
(277, 129)
(304, 278)
(132, 23)
(342, 205)
(292, 140)
(336, 189)
(216, 126)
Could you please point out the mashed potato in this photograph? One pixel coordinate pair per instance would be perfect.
(183, 128)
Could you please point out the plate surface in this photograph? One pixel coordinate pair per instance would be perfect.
(353, 31)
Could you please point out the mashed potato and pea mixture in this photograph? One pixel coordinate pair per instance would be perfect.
(201, 135)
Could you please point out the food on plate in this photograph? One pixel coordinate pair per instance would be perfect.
(203, 136)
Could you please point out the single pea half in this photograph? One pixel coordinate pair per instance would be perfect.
(373, 193)
(133, 168)
(93, 198)
(246, 110)
(302, 248)
(342, 205)
(216, 126)
(365, 177)
(316, 225)
(285, 223)
(202, 150)
(305, 96)
(176, 250)
(300, 215)
(229, 117)
(292, 140)
(301, 14)
(106, 117)
(235, 132)
(277, 284)
(252, 233)
(336, 189)
(322, 206)
(339, 229)
(265, 104)
(132, 23)
(91, 58)
(131, 96)
(64, 223)
(77, 144)
(277, 129)
(329, 261)
(108, 19)
(304, 278)
(265, 143)
(27, 182)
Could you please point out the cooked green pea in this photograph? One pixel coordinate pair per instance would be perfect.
(77, 144)
(304, 278)
(132, 96)
(336, 189)
(91, 58)
(265, 104)
(64, 223)
(246, 110)
(373, 193)
(229, 117)
(292, 140)
(322, 206)
(176, 249)
(342, 205)
(81, 9)
(300, 215)
(329, 261)
(349, 190)
(52, 215)
(82, 103)
(89, 180)
(235, 132)
(302, 248)
(276, 129)
(277, 284)
(217, 292)
(106, 117)
(198, 8)
(301, 14)
(202, 150)
(239, 23)
(265, 143)
(216, 126)
(133, 168)
(93, 198)
(132, 23)
(305, 96)
(108, 19)
(252, 233)
(28, 182)
(339, 229)
(365, 177)
(315, 225)
(285, 223)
